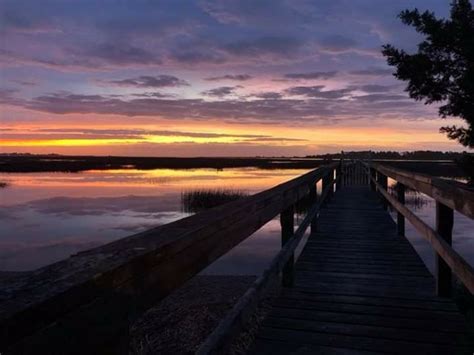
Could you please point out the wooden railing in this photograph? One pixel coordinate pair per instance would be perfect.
(85, 303)
(221, 338)
(449, 196)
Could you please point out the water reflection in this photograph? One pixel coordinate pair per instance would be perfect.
(425, 208)
(45, 217)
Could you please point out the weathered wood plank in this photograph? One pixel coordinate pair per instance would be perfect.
(360, 286)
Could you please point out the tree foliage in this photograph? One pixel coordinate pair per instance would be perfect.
(443, 68)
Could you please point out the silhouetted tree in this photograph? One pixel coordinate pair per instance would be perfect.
(443, 68)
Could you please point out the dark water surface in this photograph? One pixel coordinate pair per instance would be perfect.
(45, 217)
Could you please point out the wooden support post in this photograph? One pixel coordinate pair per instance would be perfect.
(313, 198)
(383, 181)
(372, 175)
(340, 173)
(327, 182)
(400, 217)
(287, 229)
(330, 179)
(444, 227)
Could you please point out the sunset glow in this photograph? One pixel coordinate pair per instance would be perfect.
(207, 79)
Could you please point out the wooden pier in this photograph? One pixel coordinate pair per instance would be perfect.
(357, 287)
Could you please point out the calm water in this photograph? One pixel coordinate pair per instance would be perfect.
(425, 208)
(45, 217)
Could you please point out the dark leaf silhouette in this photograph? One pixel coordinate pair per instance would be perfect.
(443, 68)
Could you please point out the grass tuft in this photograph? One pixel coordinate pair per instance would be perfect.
(203, 199)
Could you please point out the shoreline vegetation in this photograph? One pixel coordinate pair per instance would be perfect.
(195, 201)
(433, 163)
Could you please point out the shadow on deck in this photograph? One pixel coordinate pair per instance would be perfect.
(361, 287)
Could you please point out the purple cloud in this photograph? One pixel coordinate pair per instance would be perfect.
(221, 91)
(337, 43)
(236, 77)
(269, 95)
(316, 92)
(122, 53)
(328, 106)
(374, 71)
(146, 81)
(282, 46)
(312, 75)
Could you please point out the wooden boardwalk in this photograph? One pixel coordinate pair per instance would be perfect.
(361, 288)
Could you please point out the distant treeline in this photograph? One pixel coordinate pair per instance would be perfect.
(415, 155)
(455, 164)
(61, 163)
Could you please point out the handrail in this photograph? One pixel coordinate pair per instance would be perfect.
(461, 200)
(449, 193)
(121, 279)
(229, 326)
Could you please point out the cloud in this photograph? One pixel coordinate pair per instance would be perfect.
(146, 81)
(381, 97)
(312, 75)
(7, 97)
(275, 139)
(313, 104)
(373, 71)
(185, 55)
(152, 94)
(25, 82)
(121, 53)
(237, 77)
(138, 133)
(337, 43)
(221, 91)
(375, 88)
(280, 46)
(269, 95)
(316, 92)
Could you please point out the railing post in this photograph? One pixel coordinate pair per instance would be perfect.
(382, 180)
(327, 182)
(372, 175)
(287, 229)
(400, 217)
(313, 198)
(444, 227)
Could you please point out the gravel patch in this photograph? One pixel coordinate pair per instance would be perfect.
(183, 320)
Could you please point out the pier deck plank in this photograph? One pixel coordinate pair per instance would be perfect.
(361, 288)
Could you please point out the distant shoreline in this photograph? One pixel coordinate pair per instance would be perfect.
(29, 163)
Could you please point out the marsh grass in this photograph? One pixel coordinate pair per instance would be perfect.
(202, 199)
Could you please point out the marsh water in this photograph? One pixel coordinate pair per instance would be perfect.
(45, 217)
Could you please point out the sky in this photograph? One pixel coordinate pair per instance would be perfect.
(209, 78)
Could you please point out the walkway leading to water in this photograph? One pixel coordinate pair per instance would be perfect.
(361, 288)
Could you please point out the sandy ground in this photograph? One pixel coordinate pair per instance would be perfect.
(183, 320)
